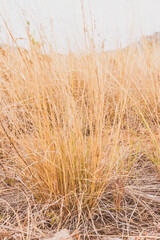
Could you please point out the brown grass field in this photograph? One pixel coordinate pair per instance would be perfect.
(79, 142)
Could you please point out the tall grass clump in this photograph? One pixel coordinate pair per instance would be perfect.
(76, 125)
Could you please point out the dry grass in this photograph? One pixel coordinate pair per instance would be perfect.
(79, 141)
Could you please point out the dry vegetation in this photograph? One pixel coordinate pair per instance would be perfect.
(80, 142)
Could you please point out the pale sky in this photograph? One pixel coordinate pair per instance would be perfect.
(115, 21)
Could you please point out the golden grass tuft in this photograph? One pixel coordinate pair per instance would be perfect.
(74, 127)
